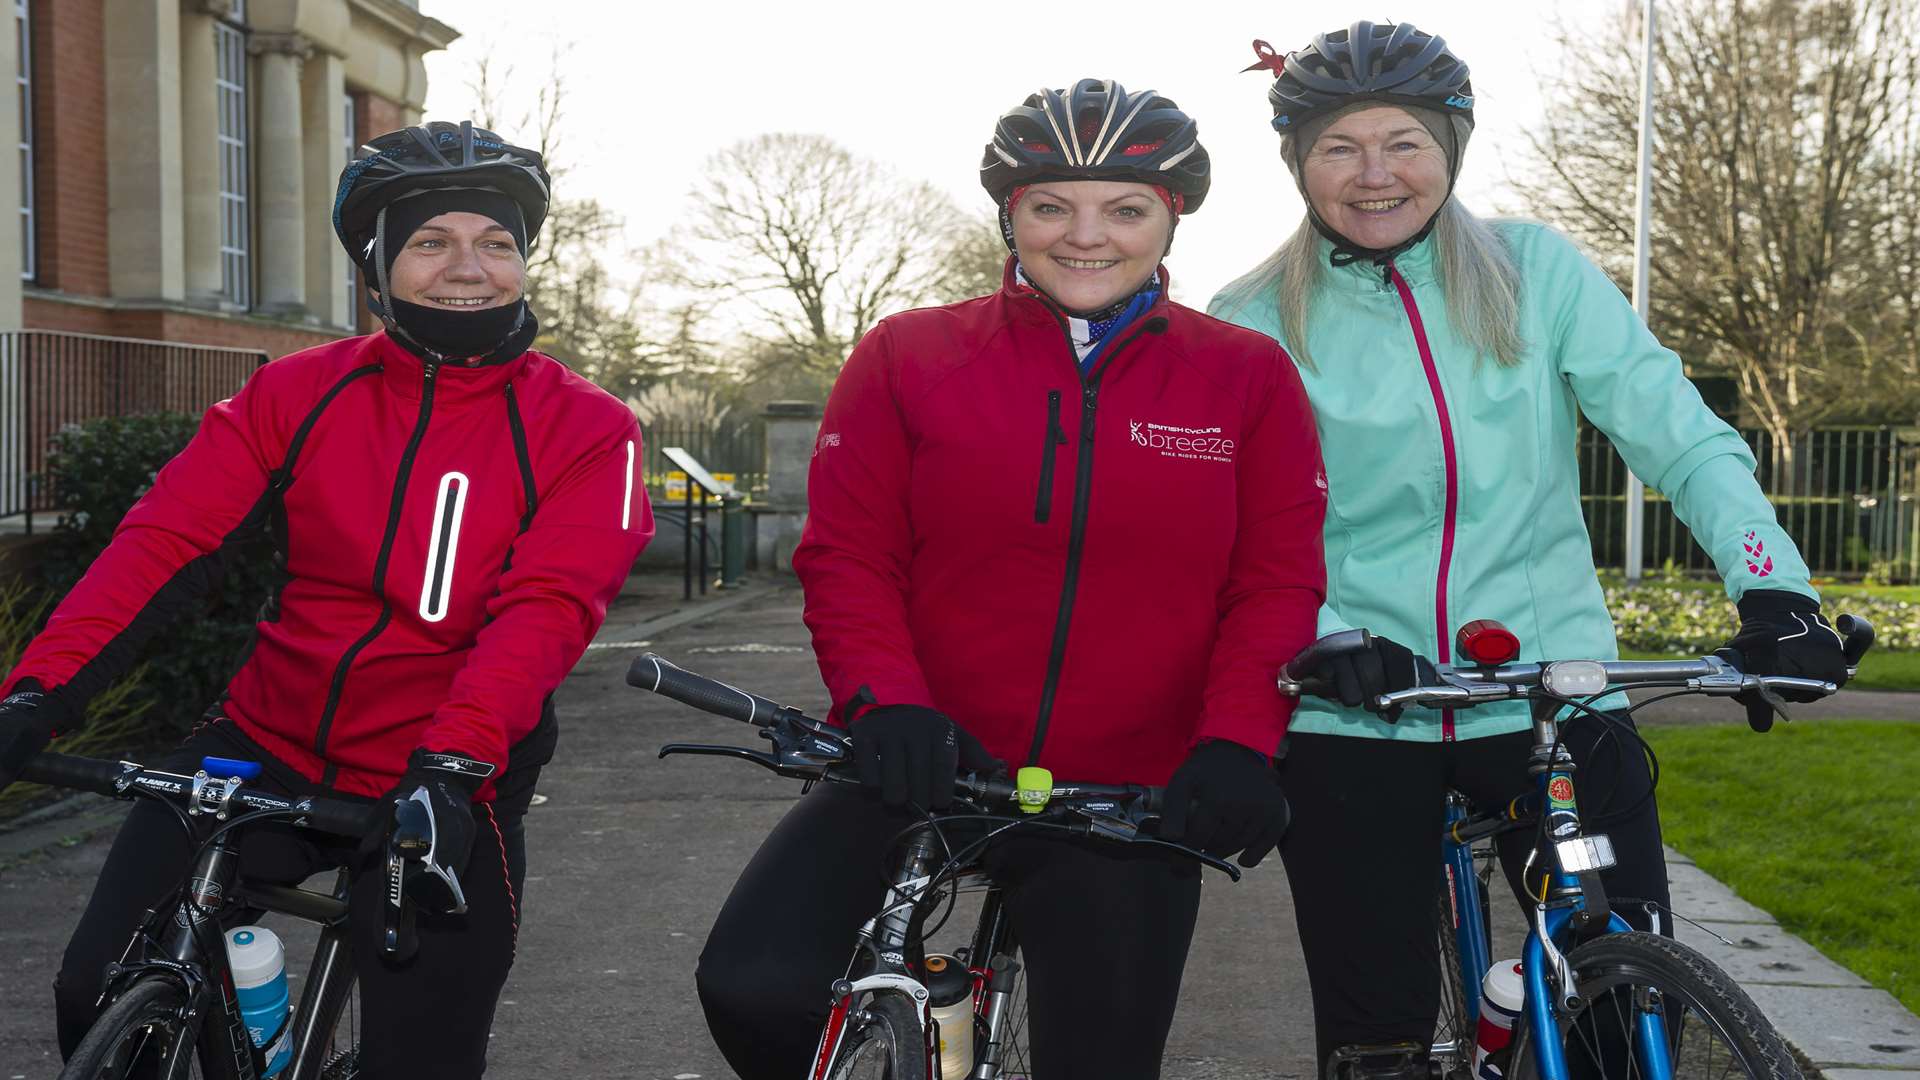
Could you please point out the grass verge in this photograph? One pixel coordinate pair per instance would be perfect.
(1817, 823)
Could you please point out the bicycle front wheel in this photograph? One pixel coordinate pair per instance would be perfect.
(889, 1045)
(141, 1036)
(1713, 1028)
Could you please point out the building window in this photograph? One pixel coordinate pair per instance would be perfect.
(353, 271)
(230, 80)
(25, 78)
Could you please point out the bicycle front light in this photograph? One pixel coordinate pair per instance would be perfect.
(1033, 788)
(1584, 854)
(1575, 678)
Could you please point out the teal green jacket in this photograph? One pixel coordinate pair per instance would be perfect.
(1454, 480)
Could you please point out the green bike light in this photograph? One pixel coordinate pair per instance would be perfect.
(1033, 786)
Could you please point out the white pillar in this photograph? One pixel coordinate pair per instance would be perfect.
(144, 212)
(200, 160)
(12, 227)
(1642, 251)
(324, 134)
(280, 172)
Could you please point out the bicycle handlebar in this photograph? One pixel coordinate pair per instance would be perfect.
(126, 780)
(650, 671)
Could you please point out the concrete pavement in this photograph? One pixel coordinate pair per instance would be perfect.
(630, 856)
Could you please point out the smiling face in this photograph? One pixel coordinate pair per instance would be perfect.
(1090, 243)
(461, 262)
(1376, 176)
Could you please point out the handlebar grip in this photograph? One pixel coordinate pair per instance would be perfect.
(340, 817)
(79, 773)
(1311, 657)
(656, 673)
(1856, 637)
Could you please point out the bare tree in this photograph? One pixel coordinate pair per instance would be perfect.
(806, 245)
(1774, 145)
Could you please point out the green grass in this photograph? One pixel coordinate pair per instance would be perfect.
(1818, 823)
(1879, 671)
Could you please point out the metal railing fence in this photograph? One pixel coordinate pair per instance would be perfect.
(737, 447)
(50, 378)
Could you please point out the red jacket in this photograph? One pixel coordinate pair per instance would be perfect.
(451, 537)
(1091, 574)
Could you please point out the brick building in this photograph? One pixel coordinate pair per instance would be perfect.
(178, 159)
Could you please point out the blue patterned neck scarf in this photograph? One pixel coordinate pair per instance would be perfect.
(1090, 332)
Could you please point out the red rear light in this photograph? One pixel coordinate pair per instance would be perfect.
(1487, 643)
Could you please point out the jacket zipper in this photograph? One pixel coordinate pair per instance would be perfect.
(1056, 437)
(339, 683)
(1076, 535)
(1453, 482)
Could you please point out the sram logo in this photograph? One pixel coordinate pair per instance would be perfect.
(1173, 440)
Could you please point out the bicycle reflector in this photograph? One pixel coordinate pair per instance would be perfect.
(1033, 787)
(1486, 643)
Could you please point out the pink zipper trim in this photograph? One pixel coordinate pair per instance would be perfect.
(1453, 482)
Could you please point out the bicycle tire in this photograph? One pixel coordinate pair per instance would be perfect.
(1454, 1031)
(889, 1045)
(1705, 1009)
(140, 1035)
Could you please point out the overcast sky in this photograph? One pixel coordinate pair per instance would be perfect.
(654, 88)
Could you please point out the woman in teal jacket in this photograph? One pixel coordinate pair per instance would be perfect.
(1449, 361)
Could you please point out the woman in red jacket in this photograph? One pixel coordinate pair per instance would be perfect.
(1070, 524)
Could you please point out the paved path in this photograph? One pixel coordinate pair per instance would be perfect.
(632, 855)
(1873, 704)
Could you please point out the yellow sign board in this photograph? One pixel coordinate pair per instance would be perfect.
(675, 489)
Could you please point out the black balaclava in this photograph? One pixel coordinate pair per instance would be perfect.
(436, 334)
(1446, 131)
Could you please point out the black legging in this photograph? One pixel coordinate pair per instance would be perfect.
(1364, 857)
(1103, 932)
(427, 1017)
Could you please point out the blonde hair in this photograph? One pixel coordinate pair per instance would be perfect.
(1471, 261)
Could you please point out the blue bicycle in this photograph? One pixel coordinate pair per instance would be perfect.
(1612, 1001)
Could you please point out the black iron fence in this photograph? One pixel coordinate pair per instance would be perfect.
(1849, 496)
(49, 379)
(728, 448)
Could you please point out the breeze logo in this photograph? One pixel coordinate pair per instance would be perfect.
(1174, 441)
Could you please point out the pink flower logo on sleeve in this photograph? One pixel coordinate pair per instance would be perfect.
(1759, 563)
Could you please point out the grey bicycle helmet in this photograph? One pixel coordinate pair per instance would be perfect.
(1098, 131)
(435, 155)
(1395, 63)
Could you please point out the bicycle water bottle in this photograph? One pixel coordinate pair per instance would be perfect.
(1501, 994)
(259, 966)
(950, 995)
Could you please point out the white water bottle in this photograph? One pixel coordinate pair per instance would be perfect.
(1501, 994)
(259, 965)
(950, 1001)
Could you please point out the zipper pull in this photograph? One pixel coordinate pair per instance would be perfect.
(1090, 398)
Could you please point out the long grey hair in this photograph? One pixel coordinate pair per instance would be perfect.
(1473, 264)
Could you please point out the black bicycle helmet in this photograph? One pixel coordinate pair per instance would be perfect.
(435, 155)
(1097, 131)
(1392, 62)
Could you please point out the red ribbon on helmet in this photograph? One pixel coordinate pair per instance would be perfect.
(1268, 59)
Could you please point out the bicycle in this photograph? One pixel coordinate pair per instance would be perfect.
(169, 1008)
(1619, 1002)
(900, 1012)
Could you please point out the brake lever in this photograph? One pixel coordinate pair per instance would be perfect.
(758, 757)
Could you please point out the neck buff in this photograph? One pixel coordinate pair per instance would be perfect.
(1089, 333)
(492, 335)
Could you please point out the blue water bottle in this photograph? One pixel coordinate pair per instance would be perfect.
(259, 966)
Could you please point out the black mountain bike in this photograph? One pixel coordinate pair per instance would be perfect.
(170, 1011)
(902, 1013)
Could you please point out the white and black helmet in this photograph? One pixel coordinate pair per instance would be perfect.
(1098, 131)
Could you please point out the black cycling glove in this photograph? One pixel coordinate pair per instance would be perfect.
(1783, 633)
(910, 754)
(442, 785)
(29, 719)
(1226, 799)
(1357, 678)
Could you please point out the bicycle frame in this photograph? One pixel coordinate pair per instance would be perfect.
(1564, 903)
(216, 891)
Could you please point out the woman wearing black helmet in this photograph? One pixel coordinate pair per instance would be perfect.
(1449, 361)
(451, 514)
(991, 572)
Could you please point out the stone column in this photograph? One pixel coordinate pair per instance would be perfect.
(145, 215)
(200, 159)
(12, 238)
(324, 150)
(280, 173)
(793, 427)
